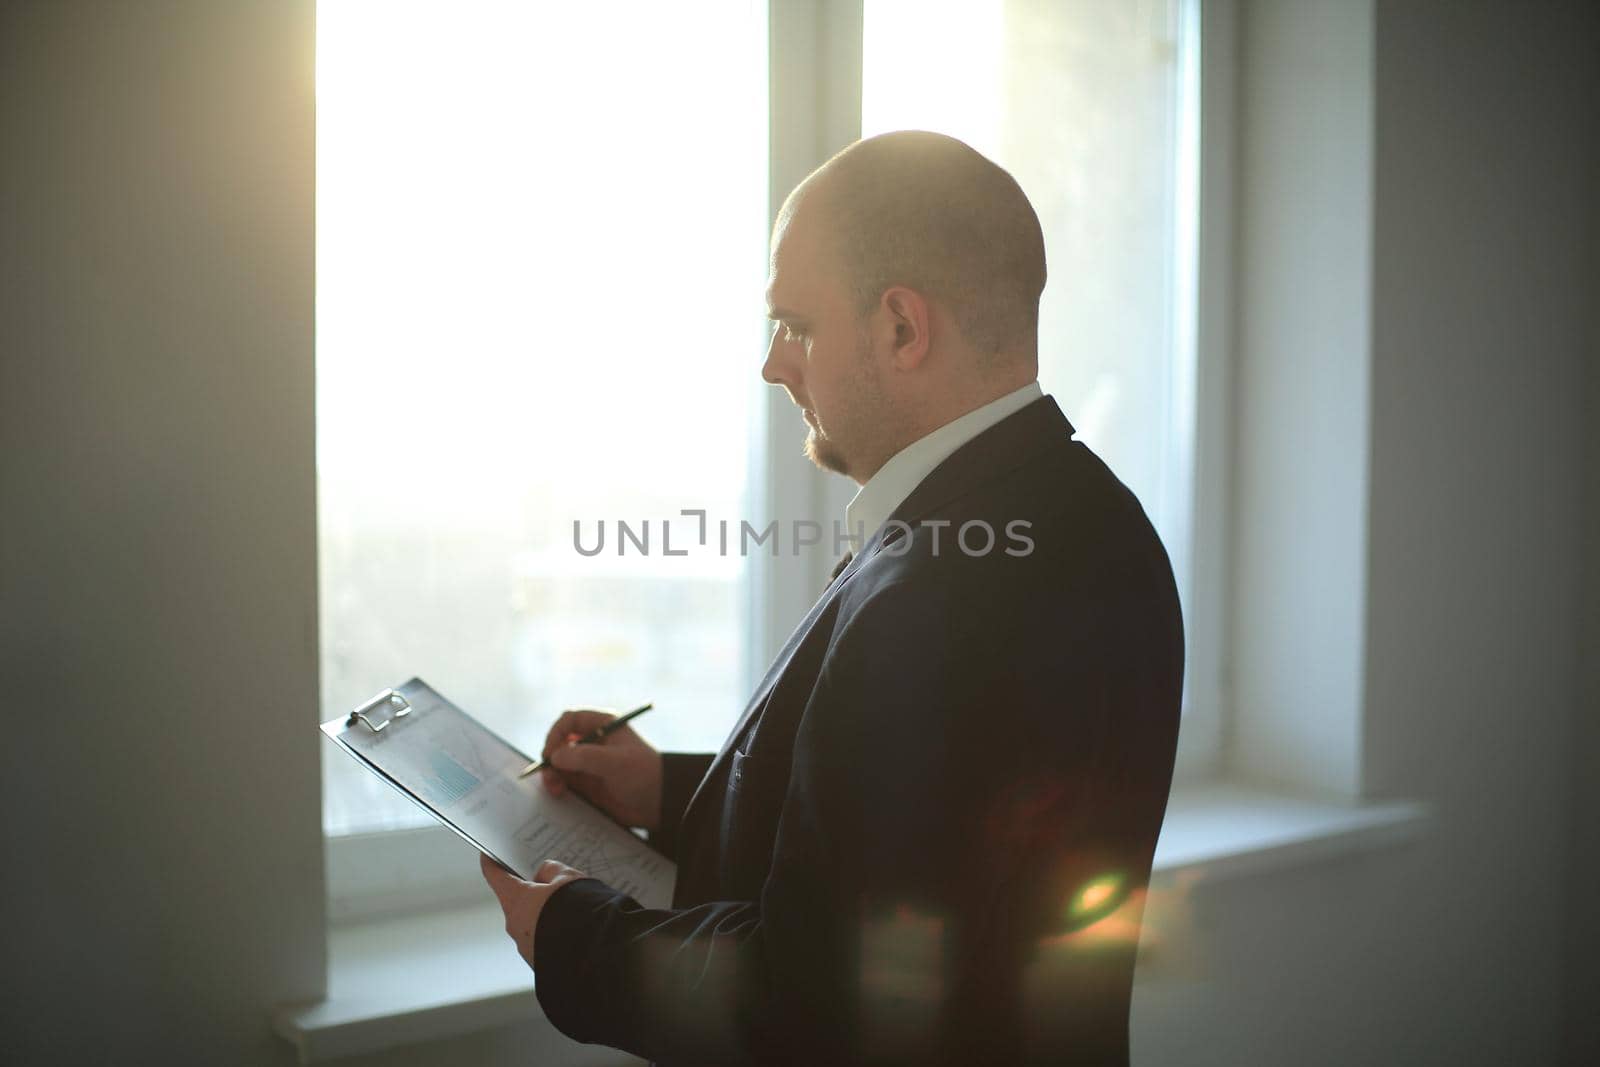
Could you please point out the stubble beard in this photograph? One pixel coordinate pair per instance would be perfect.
(867, 396)
(825, 454)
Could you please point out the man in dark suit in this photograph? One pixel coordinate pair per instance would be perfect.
(926, 838)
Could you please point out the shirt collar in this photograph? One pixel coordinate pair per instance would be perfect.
(884, 491)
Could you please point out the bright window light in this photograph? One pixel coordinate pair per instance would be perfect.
(541, 250)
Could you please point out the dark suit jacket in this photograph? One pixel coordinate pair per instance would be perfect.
(955, 766)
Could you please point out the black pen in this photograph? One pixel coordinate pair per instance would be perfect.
(595, 735)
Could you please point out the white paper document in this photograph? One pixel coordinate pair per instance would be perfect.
(465, 776)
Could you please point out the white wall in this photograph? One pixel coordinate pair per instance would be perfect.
(1583, 897)
(1303, 293)
(163, 862)
(1464, 948)
(1483, 338)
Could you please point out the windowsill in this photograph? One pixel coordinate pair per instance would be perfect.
(400, 981)
(1221, 830)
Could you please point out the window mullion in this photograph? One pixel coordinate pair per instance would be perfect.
(815, 110)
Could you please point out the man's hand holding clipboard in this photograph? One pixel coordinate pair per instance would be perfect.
(597, 755)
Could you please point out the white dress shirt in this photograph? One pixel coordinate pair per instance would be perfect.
(885, 490)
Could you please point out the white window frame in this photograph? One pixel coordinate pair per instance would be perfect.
(1207, 608)
(815, 73)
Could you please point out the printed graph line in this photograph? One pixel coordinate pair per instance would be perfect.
(597, 863)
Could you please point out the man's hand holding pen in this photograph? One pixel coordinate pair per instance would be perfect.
(619, 773)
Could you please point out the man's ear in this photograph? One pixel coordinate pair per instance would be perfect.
(905, 324)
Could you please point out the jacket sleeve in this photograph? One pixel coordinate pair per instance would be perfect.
(902, 906)
(681, 773)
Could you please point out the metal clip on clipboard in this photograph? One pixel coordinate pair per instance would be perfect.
(369, 713)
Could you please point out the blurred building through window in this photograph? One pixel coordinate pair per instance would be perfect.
(541, 249)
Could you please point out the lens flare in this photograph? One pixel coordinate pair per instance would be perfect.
(1096, 899)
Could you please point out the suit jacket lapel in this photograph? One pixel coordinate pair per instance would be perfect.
(774, 672)
(1003, 447)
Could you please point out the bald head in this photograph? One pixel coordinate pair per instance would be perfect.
(927, 212)
(905, 281)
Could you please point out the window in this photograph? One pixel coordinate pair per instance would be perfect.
(1093, 107)
(541, 255)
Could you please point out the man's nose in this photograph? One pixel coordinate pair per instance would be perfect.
(774, 371)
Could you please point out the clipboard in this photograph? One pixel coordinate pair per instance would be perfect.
(464, 775)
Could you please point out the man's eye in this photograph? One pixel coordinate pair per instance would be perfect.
(790, 333)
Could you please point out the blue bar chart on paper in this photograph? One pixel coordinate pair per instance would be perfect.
(449, 781)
